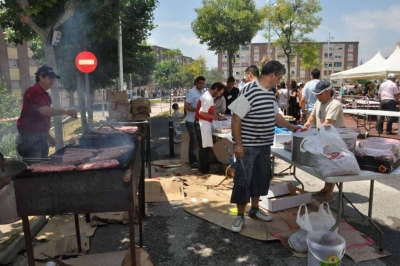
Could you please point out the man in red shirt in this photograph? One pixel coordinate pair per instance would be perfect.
(34, 122)
(204, 117)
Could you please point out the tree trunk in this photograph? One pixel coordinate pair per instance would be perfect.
(55, 95)
(71, 98)
(23, 64)
(81, 102)
(230, 59)
(4, 65)
(89, 102)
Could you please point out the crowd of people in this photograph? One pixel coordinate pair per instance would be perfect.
(256, 107)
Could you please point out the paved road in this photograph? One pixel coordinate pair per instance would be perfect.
(174, 237)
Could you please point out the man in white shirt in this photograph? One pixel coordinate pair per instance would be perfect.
(191, 101)
(308, 97)
(388, 96)
(204, 116)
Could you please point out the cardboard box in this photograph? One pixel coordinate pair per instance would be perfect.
(117, 96)
(119, 111)
(140, 117)
(140, 106)
(277, 188)
(296, 198)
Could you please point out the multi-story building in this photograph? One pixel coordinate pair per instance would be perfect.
(17, 67)
(162, 54)
(341, 56)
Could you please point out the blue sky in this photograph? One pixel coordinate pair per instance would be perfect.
(373, 23)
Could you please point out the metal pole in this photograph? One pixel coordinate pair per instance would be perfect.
(88, 102)
(102, 101)
(121, 65)
(269, 36)
(171, 139)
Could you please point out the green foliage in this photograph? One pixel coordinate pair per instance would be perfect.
(145, 63)
(224, 25)
(166, 73)
(309, 55)
(290, 22)
(213, 76)
(191, 71)
(10, 106)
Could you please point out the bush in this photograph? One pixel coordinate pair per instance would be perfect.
(10, 106)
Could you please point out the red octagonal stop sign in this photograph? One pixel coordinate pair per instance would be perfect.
(86, 62)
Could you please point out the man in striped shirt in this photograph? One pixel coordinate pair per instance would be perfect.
(255, 113)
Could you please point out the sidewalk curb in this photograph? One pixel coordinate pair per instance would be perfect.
(8, 255)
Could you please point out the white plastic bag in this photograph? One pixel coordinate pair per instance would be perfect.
(330, 153)
(322, 220)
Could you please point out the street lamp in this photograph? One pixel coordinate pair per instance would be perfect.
(269, 33)
(329, 49)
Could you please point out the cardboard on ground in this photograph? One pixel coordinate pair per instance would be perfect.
(166, 189)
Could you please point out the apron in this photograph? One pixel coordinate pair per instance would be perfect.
(206, 133)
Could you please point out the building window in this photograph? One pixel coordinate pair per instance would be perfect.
(338, 47)
(326, 55)
(236, 64)
(337, 56)
(350, 46)
(291, 72)
(13, 62)
(245, 48)
(256, 57)
(326, 64)
(237, 73)
(245, 64)
(337, 64)
(281, 56)
(224, 64)
(302, 73)
(225, 56)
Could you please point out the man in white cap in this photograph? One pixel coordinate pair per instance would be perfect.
(388, 96)
(326, 110)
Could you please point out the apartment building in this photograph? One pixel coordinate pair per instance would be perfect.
(17, 67)
(161, 55)
(337, 57)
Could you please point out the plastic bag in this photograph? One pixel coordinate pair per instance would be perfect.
(330, 153)
(322, 220)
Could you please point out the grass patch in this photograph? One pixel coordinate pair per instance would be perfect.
(154, 101)
(167, 114)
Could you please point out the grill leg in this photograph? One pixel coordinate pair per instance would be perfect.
(28, 240)
(131, 236)
(78, 233)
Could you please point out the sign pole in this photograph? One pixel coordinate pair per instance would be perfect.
(88, 102)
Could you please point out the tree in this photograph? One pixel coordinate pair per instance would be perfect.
(213, 76)
(224, 25)
(291, 21)
(25, 19)
(309, 56)
(165, 73)
(145, 63)
(191, 71)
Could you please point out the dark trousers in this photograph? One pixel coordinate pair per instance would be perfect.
(32, 147)
(387, 105)
(204, 167)
(192, 142)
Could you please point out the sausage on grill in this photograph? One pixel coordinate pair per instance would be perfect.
(98, 165)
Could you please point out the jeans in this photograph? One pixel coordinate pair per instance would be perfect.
(32, 147)
(204, 167)
(252, 175)
(387, 105)
(192, 142)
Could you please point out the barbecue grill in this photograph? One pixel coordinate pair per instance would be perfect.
(79, 192)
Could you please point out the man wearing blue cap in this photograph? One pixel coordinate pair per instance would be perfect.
(34, 122)
(327, 110)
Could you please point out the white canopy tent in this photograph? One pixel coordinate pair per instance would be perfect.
(392, 64)
(366, 70)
